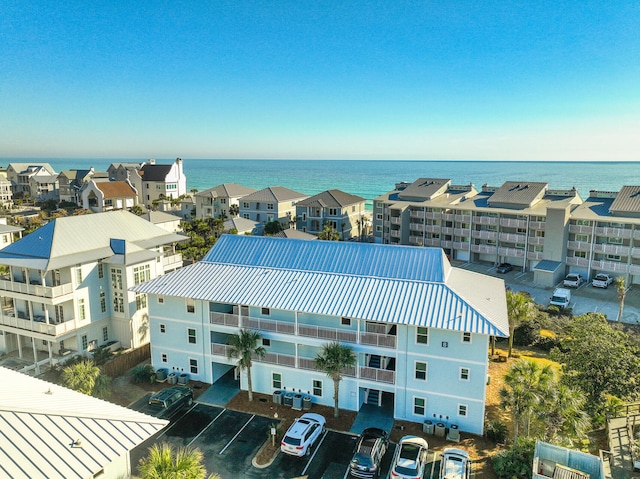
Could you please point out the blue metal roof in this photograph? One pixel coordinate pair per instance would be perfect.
(392, 284)
(362, 259)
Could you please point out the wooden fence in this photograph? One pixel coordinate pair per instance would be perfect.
(127, 360)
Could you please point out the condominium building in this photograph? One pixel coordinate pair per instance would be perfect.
(419, 328)
(341, 211)
(519, 222)
(218, 202)
(66, 291)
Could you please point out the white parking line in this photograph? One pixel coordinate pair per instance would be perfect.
(314, 453)
(234, 437)
(433, 463)
(200, 433)
(164, 431)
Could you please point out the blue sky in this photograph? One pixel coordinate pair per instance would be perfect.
(530, 80)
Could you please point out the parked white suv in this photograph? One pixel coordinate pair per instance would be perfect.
(573, 280)
(561, 298)
(302, 434)
(455, 464)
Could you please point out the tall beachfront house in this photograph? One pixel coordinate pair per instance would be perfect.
(535, 228)
(20, 174)
(274, 203)
(217, 201)
(67, 287)
(420, 329)
(161, 181)
(341, 211)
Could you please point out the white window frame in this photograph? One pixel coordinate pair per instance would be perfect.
(317, 386)
(191, 336)
(160, 299)
(415, 405)
(463, 374)
(163, 328)
(466, 337)
(416, 371)
(190, 305)
(193, 366)
(463, 410)
(418, 335)
(276, 383)
(82, 312)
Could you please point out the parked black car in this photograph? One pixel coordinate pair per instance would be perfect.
(504, 268)
(169, 401)
(370, 450)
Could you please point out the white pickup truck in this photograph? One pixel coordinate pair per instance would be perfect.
(601, 280)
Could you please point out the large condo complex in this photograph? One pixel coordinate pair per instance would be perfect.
(550, 232)
(419, 328)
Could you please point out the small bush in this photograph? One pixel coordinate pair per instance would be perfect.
(142, 374)
(101, 356)
(515, 463)
(496, 431)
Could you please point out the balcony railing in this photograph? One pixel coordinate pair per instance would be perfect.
(37, 326)
(448, 216)
(575, 261)
(416, 226)
(461, 231)
(537, 225)
(512, 237)
(417, 214)
(613, 232)
(172, 261)
(379, 375)
(513, 223)
(431, 242)
(462, 218)
(635, 252)
(612, 266)
(483, 234)
(36, 289)
(512, 252)
(534, 255)
(486, 220)
(484, 248)
(306, 330)
(580, 229)
(280, 359)
(578, 245)
(611, 249)
(636, 233)
(537, 240)
(395, 233)
(396, 220)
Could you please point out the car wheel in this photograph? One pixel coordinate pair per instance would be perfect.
(190, 402)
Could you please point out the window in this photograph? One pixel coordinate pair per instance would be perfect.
(582, 238)
(345, 321)
(266, 342)
(59, 313)
(116, 278)
(105, 334)
(82, 314)
(78, 274)
(422, 335)
(378, 228)
(269, 206)
(223, 201)
(304, 217)
(100, 270)
(333, 211)
(85, 343)
(191, 305)
(245, 216)
(141, 301)
(193, 366)
(538, 249)
(579, 254)
(316, 385)
(615, 240)
(421, 371)
(163, 328)
(141, 274)
(245, 204)
(466, 337)
(118, 302)
(103, 302)
(464, 374)
(583, 222)
(462, 409)
(191, 335)
(540, 233)
(276, 380)
(614, 257)
(419, 406)
(163, 357)
(379, 204)
(160, 299)
(266, 312)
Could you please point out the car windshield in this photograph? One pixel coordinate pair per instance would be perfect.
(408, 460)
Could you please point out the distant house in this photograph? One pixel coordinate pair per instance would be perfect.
(108, 195)
(215, 202)
(295, 234)
(187, 207)
(71, 182)
(67, 291)
(8, 233)
(54, 432)
(274, 203)
(128, 171)
(337, 209)
(19, 174)
(43, 186)
(242, 226)
(6, 194)
(162, 181)
(166, 221)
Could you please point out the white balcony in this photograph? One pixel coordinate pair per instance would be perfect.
(331, 334)
(395, 233)
(484, 248)
(224, 319)
(461, 232)
(609, 266)
(462, 218)
(269, 325)
(379, 375)
(37, 326)
(512, 238)
(172, 261)
(581, 229)
(417, 214)
(396, 220)
(512, 252)
(513, 223)
(537, 225)
(36, 289)
(613, 232)
(575, 261)
(534, 255)
(578, 246)
(486, 220)
(611, 249)
(486, 235)
(416, 226)
(635, 252)
(448, 216)
(536, 240)
(276, 358)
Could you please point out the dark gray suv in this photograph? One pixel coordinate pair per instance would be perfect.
(166, 403)
(369, 452)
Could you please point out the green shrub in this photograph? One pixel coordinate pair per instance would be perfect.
(496, 431)
(101, 356)
(142, 374)
(515, 462)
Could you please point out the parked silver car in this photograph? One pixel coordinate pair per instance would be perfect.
(302, 434)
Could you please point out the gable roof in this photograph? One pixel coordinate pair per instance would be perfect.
(627, 200)
(151, 172)
(331, 198)
(78, 239)
(297, 234)
(159, 217)
(226, 190)
(54, 432)
(392, 284)
(424, 188)
(274, 194)
(522, 193)
(116, 189)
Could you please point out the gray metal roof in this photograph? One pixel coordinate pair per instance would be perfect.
(425, 188)
(78, 239)
(394, 284)
(50, 431)
(274, 194)
(226, 190)
(331, 198)
(627, 200)
(522, 193)
(295, 234)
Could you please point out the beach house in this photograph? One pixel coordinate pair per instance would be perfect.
(342, 212)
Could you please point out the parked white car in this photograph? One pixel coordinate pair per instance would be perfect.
(409, 459)
(302, 434)
(601, 280)
(455, 464)
(573, 281)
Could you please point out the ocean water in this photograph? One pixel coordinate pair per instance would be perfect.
(371, 178)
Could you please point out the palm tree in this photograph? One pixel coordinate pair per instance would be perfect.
(86, 377)
(562, 413)
(519, 309)
(526, 385)
(621, 289)
(332, 360)
(163, 462)
(243, 346)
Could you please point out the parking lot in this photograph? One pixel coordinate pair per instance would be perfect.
(230, 439)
